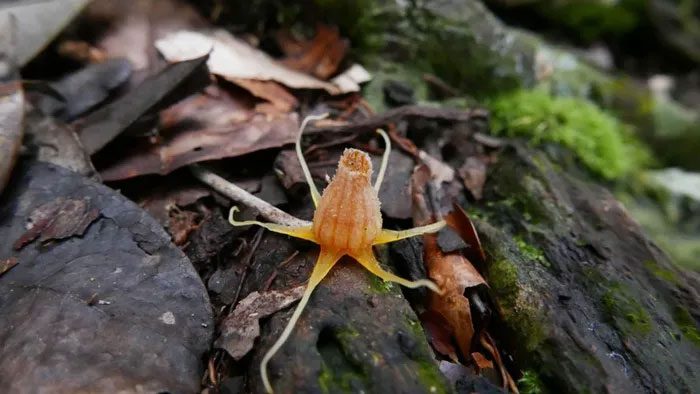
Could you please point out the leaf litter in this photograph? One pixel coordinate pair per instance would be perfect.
(172, 128)
(240, 329)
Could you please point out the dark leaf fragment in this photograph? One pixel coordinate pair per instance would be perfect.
(7, 264)
(58, 219)
(85, 88)
(240, 329)
(176, 81)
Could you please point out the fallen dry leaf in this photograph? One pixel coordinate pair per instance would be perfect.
(319, 57)
(36, 23)
(60, 218)
(350, 79)
(240, 329)
(452, 272)
(132, 26)
(507, 381)
(459, 221)
(7, 264)
(172, 83)
(271, 91)
(178, 148)
(473, 174)
(232, 58)
(181, 224)
(439, 171)
(481, 362)
(439, 334)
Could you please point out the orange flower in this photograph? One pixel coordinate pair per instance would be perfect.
(347, 221)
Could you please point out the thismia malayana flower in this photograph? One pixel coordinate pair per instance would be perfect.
(347, 221)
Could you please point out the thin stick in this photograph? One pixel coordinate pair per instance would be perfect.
(234, 192)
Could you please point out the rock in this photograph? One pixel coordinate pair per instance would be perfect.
(104, 304)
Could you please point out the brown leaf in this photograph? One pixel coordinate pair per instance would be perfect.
(487, 342)
(7, 264)
(192, 138)
(473, 174)
(319, 57)
(459, 221)
(240, 329)
(60, 218)
(481, 362)
(133, 26)
(161, 199)
(182, 224)
(452, 272)
(271, 91)
(232, 58)
(439, 334)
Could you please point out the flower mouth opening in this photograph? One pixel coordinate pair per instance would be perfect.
(356, 161)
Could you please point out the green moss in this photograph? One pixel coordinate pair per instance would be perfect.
(503, 279)
(325, 380)
(379, 286)
(517, 312)
(687, 324)
(603, 144)
(661, 273)
(431, 377)
(346, 335)
(530, 383)
(531, 252)
(622, 309)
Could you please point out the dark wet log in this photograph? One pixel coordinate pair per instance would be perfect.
(586, 300)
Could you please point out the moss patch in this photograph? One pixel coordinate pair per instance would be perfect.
(661, 273)
(431, 377)
(687, 324)
(520, 314)
(531, 252)
(530, 383)
(624, 311)
(602, 143)
(380, 286)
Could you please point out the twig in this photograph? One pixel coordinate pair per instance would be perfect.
(403, 113)
(246, 264)
(234, 192)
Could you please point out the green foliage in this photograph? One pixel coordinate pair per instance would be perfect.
(530, 383)
(601, 142)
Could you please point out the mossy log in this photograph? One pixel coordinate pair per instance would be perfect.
(473, 51)
(584, 301)
(587, 301)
